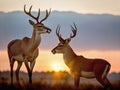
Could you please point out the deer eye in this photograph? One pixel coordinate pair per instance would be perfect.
(60, 45)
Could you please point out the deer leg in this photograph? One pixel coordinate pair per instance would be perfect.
(17, 72)
(107, 83)
(11, 73)
(99, 77)
(101, 74)
(76, 81)
(30, 77)
(32, 64)
(29, 71)
(100, 80)
(104, 77)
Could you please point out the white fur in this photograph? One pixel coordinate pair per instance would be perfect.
(87, 74)
(105, 71)
(18, 58)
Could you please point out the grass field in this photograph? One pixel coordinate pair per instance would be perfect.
(39, 86)
(51, 81)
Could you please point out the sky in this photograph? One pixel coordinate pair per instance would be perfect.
(80, 6)
(55, 62)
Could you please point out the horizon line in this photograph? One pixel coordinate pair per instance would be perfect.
(63, 11)
(45, 71)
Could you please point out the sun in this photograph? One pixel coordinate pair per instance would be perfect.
(56, 66)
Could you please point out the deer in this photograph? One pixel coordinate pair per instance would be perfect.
(79, 65)
(26, 50)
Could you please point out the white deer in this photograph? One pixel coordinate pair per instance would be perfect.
(26, 49)
(79, 65)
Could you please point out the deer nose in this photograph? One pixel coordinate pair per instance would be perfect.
(48, 30)
(53, 51)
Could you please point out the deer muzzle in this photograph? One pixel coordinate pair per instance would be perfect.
(49, 30)
(53, 51)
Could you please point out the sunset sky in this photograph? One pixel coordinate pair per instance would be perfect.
(80, 6)
(46, 60)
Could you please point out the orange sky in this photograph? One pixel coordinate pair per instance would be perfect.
(47, 61)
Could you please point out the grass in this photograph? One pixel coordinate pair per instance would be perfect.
(40, 86)
(51, 81)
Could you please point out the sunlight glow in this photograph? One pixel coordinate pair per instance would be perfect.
(56, 66)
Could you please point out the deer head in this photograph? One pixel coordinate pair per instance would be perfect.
(63, 43)
(39, 27)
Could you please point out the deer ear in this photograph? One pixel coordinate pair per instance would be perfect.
(31, 22)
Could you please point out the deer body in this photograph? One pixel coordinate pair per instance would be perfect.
(26, 49)
(30, 52)
(83, 66)
(79, 65)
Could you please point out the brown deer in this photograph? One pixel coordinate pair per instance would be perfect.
(79, 65)
(26, 49)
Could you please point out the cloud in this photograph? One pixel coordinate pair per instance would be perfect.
(95, 31)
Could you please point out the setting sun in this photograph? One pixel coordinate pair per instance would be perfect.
(57, 66)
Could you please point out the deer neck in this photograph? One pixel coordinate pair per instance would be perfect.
(35, 41)
(69, 55)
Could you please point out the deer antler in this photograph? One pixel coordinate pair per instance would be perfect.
(29, 13)
(58, 34)
(47, 14)
(74, 30)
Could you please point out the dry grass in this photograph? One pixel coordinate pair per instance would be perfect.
(39, 86)
(50, 81)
